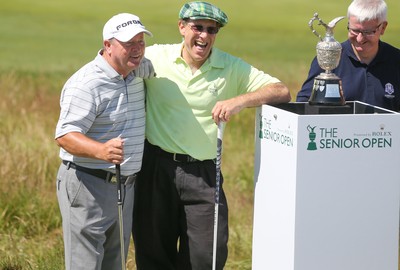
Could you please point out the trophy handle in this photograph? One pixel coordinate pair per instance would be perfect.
(328, 27)
(311, 22)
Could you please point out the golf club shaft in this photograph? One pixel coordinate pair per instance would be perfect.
(217, 188)
(120, 215)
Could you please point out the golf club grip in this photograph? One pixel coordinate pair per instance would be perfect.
(120, 215)
(218, 163)
(217, 188)
(118, 176)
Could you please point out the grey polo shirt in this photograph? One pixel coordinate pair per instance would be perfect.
(98, 102)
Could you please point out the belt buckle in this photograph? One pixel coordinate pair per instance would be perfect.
(113, 179)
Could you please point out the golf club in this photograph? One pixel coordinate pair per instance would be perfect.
(120, 217)
(217, 187)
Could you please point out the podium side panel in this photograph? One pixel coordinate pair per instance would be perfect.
(275, 189)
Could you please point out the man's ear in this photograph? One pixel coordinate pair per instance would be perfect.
(182, 27)
(107, 45)
(383, 28)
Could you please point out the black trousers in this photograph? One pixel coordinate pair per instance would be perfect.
(173, 220)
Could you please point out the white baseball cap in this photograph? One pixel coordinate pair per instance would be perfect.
(123, 27)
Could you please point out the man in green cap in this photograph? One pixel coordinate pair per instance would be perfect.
(197, 86)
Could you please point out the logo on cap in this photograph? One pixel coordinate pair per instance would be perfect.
(125, 24)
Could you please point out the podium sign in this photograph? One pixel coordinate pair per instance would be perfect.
(326, 188)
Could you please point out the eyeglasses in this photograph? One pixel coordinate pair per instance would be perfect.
(368, 33)
(198, 29)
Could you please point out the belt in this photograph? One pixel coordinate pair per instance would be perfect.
(181, 157)
(102, 174)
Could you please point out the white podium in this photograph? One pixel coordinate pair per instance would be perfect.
(326, 188)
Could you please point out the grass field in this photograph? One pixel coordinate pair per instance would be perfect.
(44, 42)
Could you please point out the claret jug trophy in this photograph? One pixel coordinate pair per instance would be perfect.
(327, 88)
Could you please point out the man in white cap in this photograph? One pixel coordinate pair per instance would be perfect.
(101, 124)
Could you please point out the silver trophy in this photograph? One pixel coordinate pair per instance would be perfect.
(327, 88)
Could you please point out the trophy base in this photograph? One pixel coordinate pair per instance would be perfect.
(327, 109)
(327, 90)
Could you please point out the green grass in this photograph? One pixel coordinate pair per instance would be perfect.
(48, 36)
(44, 42)
(30, 234)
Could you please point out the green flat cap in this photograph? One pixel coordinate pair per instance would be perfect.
(203, 11)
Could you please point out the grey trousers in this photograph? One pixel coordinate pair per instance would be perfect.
(89, 211)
